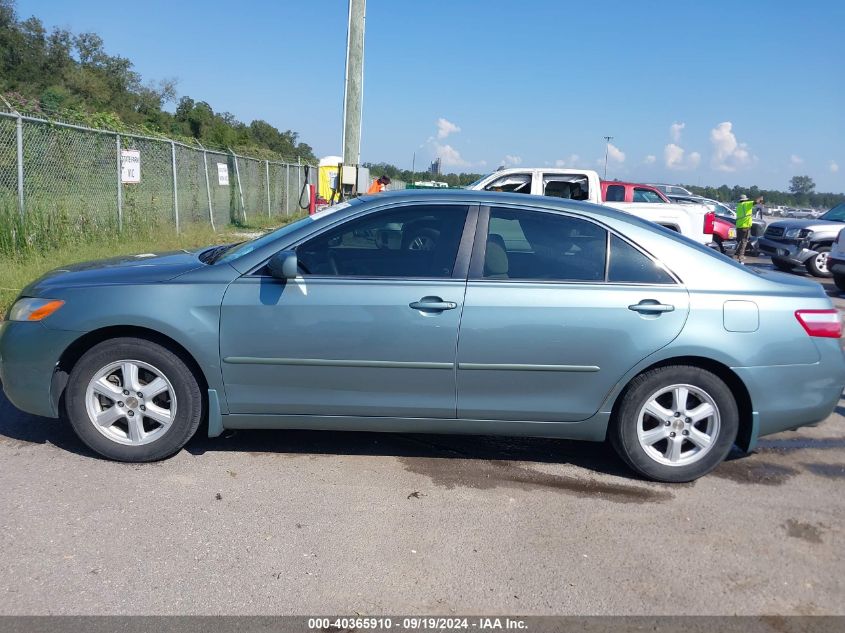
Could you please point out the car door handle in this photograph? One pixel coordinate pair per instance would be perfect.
(433, 304)
(651, 306)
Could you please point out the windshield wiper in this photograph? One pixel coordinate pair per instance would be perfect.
(213, 254)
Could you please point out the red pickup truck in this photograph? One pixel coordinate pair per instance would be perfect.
(724, 232)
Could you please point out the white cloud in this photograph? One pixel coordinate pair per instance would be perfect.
(834, 167)
(449, 156)
(675, 131)
(615, 154)
(445, 128)
(572, 161)
(511, 161)
(675, 157)
(650, 159)
(796, 160)
(728, 153)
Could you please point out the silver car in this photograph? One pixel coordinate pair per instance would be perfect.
(447, 312)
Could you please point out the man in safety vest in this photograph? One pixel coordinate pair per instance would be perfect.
(379, 185)
(744, 220)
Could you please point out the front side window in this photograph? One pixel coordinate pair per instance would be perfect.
(514, 183)
(414, 241)
(570, 186)
(646, 195)
(543, 246)
(615, 193)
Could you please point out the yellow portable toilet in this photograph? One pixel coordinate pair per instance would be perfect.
(328, 177)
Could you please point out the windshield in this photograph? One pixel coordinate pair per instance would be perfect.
(836, 214)
(247, 247)
(477, 182)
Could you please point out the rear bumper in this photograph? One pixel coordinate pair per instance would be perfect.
(795, 254)
(790, 396)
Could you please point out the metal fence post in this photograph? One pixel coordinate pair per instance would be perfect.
(298, 182)
(175, 185)
(267, 182)
(208, 189)
(240, 188)
(287, 189)
(119, 185)
(21, 207)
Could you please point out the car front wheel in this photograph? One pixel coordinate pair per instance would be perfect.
(133, 400)
(675, 424)
(817, 265)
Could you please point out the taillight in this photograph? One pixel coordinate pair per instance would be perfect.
(824, 323)
(709, 221)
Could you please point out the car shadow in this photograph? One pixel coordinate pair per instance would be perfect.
(19, 427)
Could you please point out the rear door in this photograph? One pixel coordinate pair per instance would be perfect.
(557, 310)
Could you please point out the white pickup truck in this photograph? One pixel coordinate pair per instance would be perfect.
(584, 184)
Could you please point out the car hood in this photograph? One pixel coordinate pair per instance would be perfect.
(810, 223)
(132, 269)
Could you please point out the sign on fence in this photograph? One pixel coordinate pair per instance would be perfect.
(130, 165)
(222, 174)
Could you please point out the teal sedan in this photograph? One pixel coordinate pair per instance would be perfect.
(432, 312)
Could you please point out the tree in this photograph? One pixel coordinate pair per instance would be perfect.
(801, 185)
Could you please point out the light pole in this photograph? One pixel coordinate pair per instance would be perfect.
(607, 140)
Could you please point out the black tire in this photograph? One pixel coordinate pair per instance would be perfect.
(188, 396)
(813, 266)
(623, 427)
(718, 241)
(786, 268)
(839, 280)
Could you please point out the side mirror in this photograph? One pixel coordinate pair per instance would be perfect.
(283, 265)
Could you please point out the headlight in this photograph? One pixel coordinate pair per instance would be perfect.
(30, 309)
(805, 233)
(792, 232)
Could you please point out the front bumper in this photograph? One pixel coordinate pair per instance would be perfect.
(793, 253)
(29, 353)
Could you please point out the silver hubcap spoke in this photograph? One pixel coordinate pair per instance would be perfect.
(131, 402)
(678, 425)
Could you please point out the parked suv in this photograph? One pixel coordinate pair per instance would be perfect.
(803, 242)
(836, 261)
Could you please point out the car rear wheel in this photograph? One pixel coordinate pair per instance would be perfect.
(675, 424)
(817, 265)
(132, 400)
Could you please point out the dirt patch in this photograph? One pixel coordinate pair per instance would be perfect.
(812, 533)
(486, 474)
(750, 471)
(831, 471)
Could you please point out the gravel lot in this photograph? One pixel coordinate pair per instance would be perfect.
(308, 523)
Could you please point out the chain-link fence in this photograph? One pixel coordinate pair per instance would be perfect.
(59, 179)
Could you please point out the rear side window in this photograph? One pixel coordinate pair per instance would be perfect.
(646, 195)
(536, 245)
(615, 193)
(628, 265)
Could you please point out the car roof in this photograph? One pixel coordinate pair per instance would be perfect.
(632, 184)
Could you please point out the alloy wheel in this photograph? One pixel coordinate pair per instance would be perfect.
(678, 425)
(130, 402)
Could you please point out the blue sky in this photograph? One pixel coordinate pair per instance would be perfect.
(710, 92)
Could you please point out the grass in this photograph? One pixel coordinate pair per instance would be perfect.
(19, 268)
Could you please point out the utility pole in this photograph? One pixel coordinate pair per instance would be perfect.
(353, 90)
(607, 140)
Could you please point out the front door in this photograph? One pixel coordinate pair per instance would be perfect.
(553, 319)
(368, 329)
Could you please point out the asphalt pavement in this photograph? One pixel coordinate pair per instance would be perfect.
(352, 523)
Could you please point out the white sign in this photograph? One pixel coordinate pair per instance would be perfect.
(130, 165)
(222, 174)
